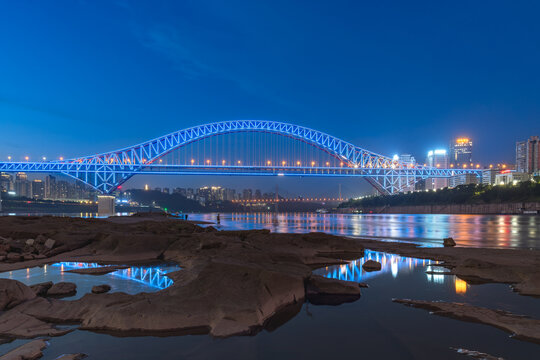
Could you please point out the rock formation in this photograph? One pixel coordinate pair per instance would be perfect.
(29, 351)
(231, 282)
(371, 265)
(519, 326)
(101, 289)
(62, 289)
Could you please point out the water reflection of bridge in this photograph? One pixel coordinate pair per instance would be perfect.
(149, 275)
(389, 263)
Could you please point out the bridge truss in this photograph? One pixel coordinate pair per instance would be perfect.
(106, 171)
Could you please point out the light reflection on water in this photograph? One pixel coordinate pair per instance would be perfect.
(393, 264)
(131, 280)
(498, 231)
(150, 276)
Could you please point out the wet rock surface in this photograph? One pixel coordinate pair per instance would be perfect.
(324, 291)
(62, 289)
(72, 357)
(371, 265)
(231, 282)
(41, 288)
(100, 289)
(476, 354)
(448, 242)
(30, 351)
(519, 326)
(12, 293)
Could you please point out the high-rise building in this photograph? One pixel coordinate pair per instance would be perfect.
(62, 189)
(247, 194)
(50, 187)
(533, 155)
(23, 187)
(6, 182)
(461, 151)
(439, 159)
(230, 194)
(38, 189)
(528, 155)
(521, 156)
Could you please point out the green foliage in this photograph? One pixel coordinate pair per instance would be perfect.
(464, 194)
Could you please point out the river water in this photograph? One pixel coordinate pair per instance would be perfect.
(373, 326)
(496, 231)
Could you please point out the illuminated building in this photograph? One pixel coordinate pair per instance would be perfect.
(6, 182)
(23, 187)
(488, 176)
(50, 187)
(247, 194)
(521, 156)
(38, 189)
(461, 151)
(463, 179)
(439, 159)
(528, 155)
(509, 177)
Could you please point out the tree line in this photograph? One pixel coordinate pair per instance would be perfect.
(527, 191)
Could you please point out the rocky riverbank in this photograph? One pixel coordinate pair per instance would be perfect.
(231, 282)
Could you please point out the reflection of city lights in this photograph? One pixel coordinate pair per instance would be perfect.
(354, 272)
(461, 286)
(394, 268)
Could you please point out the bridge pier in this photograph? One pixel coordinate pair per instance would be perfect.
(106, 205)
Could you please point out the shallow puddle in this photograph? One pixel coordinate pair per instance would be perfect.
(132, 280)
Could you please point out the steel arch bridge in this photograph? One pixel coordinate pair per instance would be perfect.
(106, 171)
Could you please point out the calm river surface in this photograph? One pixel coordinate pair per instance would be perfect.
(373, 326)
(497, 231)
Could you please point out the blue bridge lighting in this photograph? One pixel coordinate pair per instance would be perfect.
(107, 171)
(151, 276)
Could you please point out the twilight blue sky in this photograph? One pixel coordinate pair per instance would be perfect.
(78, 77)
